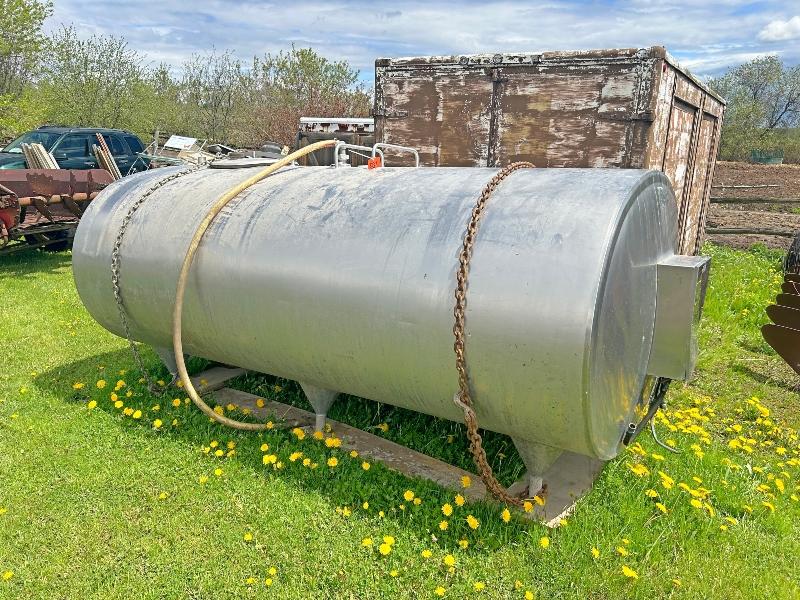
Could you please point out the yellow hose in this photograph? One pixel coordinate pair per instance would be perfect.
(177, 342)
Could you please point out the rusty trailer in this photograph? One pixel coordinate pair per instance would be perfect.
(629, 108)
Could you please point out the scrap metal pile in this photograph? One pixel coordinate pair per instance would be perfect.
(40, 208)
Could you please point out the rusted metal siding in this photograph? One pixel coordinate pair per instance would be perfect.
(628, 108)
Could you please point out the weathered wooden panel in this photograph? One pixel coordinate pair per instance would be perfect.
(699, 189)
(628, 108)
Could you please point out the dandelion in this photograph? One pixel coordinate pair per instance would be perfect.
(7, 575)
(269, 459)
(333, 442)
(101, 383)
(219, 410)
(473, 522)
(3, 510)
(250, 580)
(306, 462)
(384, 427)
(651, 493)
(78, 385)
(439, 591)
(385, 549)
(264, 447)
(769, 505)
(218, 472)
(157, 424)
(295, 455)
(365, 465)
(388, 539)
(426, 553)
(463, 544)
(595, 553)
(527, 506)
(544, 542)
(299, 433)
(318, 435)
(203, 479)
(447, 509)
(163, 496)
(443, 525)
(466, 481)
(333, 461)
(639, 469)
(528, 595)
(92, 404)
(479, 586)
(661, 507)
(459, 500)
(218, 452)
(268, 581)
(137, 414)
(353, 454)
(449, 560)
(394, 573)
(505, 515)
(696, 503)
(417, 501)
(622, 551)
(628, 572)
(408, 495)
(366, 542)
(539, 500)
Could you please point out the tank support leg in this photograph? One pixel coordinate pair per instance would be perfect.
(537, 458)
(167, 356)
(321, 399)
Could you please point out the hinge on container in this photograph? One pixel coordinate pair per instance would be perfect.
(390, 113)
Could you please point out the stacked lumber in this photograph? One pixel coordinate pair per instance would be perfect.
(104, 158)
(38, 158)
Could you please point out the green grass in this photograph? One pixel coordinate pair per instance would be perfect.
(85, 518)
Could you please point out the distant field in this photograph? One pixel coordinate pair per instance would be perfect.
(97, 503)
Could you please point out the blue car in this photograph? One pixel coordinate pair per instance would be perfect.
(72, 148)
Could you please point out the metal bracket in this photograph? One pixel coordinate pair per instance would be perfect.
(340, 146)
(396, 148)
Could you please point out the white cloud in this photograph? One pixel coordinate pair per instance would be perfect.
(780, 31)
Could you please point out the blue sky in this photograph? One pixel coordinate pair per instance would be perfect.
(705, 36)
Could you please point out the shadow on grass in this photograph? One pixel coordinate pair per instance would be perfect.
(782, 379)
(32, 263)
(347, 485)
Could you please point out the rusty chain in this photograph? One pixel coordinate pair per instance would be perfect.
(115, 273)
(463, 398)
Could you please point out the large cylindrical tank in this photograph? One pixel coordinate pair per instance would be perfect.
(343, 279)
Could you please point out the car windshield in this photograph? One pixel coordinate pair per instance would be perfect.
(45, 138)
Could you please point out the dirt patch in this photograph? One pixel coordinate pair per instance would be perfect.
(783, 182)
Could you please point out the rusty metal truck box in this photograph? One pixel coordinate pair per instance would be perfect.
(628, 108)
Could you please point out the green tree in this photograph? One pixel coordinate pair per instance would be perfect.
(21, 44)
(763, 101)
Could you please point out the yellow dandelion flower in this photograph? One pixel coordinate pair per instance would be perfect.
(661, 507)
(505, 515)
(696, 503)
(463, 544)
(7, 575)
(408, 495)
(651, 493)
(769, 505)
(219, 410)
(459, 500)
(91, 404)
(595, 553)
(622, 551)
(203, 479)
(250, 580)
(527, 506)
(157, 424)
(466, 481)
(449, 560)
(394, 573)
(78, 385)
(473, 522)
(639, 469)
(248, 537)
(260, 402)
(417, 501)
(366, 542)
(353, 454)
(528, 595)
(628, 572)
(732, 520)
(101, 383)
(544, 542)
(306, 462)
(137, 414)
(427, 553)
(268, 581)
(365, 465)
(439, 591)
(264, 447)
(214, 444)
(269, 459)
(176, 402)
(479, 586)
(385, 549)
(539, 500)
(388, 539)
(231, 445)
(333, 461)
(218, 472)
(295, 456)
(163, 496)
(128, 411)
(318, 435)
(677, 582)
(443, 525)
(218, 452)
(333, 442)
(447, 509)
(384, 427)
(365, 506)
